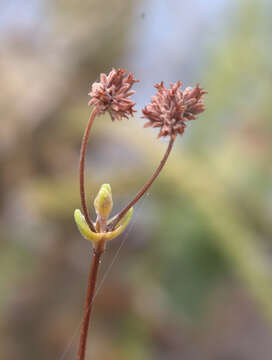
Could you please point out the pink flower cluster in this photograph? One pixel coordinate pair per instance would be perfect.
(170, 109)
(112, 94)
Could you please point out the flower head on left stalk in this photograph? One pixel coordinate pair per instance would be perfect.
(112, 93)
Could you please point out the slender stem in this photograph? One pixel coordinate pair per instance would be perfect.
(97, 253)
(145, 187)
(82, 169)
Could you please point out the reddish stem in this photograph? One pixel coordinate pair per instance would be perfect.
(97, 253)
(82, 169)
(145, 188)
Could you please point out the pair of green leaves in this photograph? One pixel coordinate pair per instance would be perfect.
(103, 205)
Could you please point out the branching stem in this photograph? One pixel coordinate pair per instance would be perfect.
(99, 249)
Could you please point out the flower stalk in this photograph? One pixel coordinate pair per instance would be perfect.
(82, 168)
(145, 187)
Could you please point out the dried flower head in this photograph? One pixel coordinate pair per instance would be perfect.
(112, 94)
(170, 109)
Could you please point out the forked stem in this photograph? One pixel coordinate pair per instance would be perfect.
(82, 158)
(123, 212)
(97, 253)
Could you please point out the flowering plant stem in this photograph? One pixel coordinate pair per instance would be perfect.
(97, 253)
(145, 187)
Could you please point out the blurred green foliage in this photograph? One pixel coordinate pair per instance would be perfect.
(194, 274)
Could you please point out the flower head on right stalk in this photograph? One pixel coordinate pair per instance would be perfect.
(171, 109)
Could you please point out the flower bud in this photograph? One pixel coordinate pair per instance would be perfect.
(103, 202)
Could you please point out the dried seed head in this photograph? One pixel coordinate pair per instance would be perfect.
(170, 109)
(112, 94)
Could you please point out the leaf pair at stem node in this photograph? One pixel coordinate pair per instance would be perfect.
(103, 205)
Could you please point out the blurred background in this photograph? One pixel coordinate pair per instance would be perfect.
(192, 278)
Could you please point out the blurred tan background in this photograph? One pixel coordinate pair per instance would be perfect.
(192, 279)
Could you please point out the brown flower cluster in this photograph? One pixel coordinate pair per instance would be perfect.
(170, 109)
(112, 94)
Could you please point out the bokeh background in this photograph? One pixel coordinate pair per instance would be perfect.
(191, 277)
